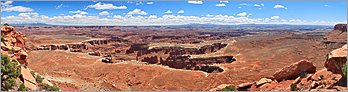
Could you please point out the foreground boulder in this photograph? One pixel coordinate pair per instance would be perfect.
(336, 59)
(294, 70)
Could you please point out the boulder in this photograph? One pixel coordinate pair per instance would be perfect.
(45, 81)
(336, 59)
(293, 70)
(263, 81)
(29, 80)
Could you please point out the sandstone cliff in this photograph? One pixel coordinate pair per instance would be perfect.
(16, 75)
(339, 34)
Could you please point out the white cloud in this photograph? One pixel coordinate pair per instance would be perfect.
(149, 2)
(17, 9)
(139, 3)
(181, 11)
(239, 7)
(326, 5)
(223, 1)
(195, 2)
(104, 13)
(262, 4)
(57, 7)
(7, 3)
(152, 17)
(137, 11)
(168, 12)
(244, 4)
(257, 5)
(6, 6)
(279, 6)
(275, 17)
(119, 20)
(78, 12)
(102, 6)
(243, 14)
(220, 5)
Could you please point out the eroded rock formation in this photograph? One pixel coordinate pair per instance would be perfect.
(336, 59)
(337, 37)
(302, 76)
(13, 45)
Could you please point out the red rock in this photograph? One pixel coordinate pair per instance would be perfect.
(336, 59)
(263, 81)
(339, 34)
(29, 80)
(293, 70)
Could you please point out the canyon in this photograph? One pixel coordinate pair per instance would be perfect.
(165, 58)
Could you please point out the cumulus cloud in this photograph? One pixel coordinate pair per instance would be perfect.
(220, 5)
(275, 17)
(139, 3)
(137, 11)
(78, 12)
(326, 5)
(149, 2)
(257, 5)
(152, 17)
(103, 6)
(6, 6)
(104, 13)
(119, 20)
(168, 12)
(279, 6)
(223, 1)
(195, 2)
(181, 12)
(243, 14)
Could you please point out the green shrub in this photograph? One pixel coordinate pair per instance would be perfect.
(49, 88)
(10, 71)
(344, 70)
(39, 79)
(8, 84)
(12, 50)
(22, 88)
(229, 88)
(293, 87)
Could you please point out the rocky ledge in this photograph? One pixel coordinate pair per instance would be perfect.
(302, 76)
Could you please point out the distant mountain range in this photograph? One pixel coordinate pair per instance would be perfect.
(200, 25)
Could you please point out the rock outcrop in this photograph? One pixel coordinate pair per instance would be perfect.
(294, 70)
(302, 76)
(13, 46)
(338, 35)
(336, 59)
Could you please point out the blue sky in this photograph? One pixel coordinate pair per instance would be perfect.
(167, 13)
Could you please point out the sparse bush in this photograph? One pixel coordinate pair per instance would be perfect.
(49, 88)
(39, 79)
(8, 84)
(344, 70)
(229, 88)
(303, 74)
(293, 87)
(10, 71)
(22, 88)
(12, 50)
